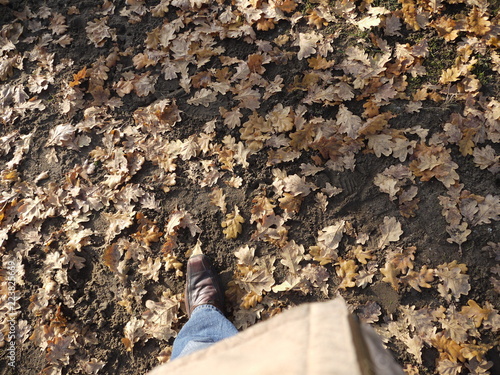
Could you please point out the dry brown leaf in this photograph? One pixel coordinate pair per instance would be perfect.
(390, 275)
(262, 207)
(434, 161)
(203, 97)
(346, 270)
(476, 312)
(320, 63)
(280, 118)
(218, 198)
(133, 332)
(390, 230)
(453, 278)
(246, 258)
(150, 268)
(478, 22)
(62, 135)
(488, 210)
(233, 223)
(160, 317)
(314, 276)
(419, 279)
(365, 276)
(258, 281)
(369, 312)
(458, 233)
(327, 243)
(486, 158)
(291, 255)
(147, 231)
(78, 77)
(297, 186)
(116, 223)
(307, 43)
(349, 123)
(290, 203)
(98, 31)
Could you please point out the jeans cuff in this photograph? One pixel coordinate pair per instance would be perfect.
(206, 306)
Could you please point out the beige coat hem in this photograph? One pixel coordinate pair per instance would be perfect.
(315, 338)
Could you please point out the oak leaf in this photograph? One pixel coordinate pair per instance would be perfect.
(218, 198)
(368, 22)
(458, 233)
(62, 135)
(365, 276)
(116, 223)
(314, 276)
(307, 43)
(391, 231)
(291, 255)
(453, 278)
(78, 77)
(133, 332)
(476, 312)
(320, 63)
(486, 158)
(203, 97)
(246, 258)
(150, 268)
(488, 210)
(290, 203)
(262, 207)
(280, 118)
(478, 22)
(258, 281)
(98, 31)
(297, 186)
(349, 123)
(327, 243)
(390, 275)
(233, 223)
(346, 270)
(419, 279)
(160, 316)
(369, 312)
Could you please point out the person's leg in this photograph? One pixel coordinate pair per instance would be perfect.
(204, 299)
(206, 326)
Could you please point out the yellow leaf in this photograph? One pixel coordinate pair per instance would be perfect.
(475, 312)
(390, 275)
(233, 223)
(450, 75)
(78, 77)
(347, 271)
(477, 23)
(466, 144)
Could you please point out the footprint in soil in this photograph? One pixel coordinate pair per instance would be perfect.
(354, 185)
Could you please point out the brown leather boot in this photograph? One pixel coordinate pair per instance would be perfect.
(202, 284)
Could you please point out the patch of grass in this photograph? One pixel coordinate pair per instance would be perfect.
(307, 6)
(484, 73)
(415, 83)
(387, 4)
(441, 56)
(482, 70)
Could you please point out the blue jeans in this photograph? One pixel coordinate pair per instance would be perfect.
(206, 326)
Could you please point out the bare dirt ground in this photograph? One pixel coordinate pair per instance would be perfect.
(313, 149)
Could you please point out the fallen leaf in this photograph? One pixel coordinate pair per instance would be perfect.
(133, 332)
(453, 279)
(327, 243)
(391, 231)
(233, 223)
